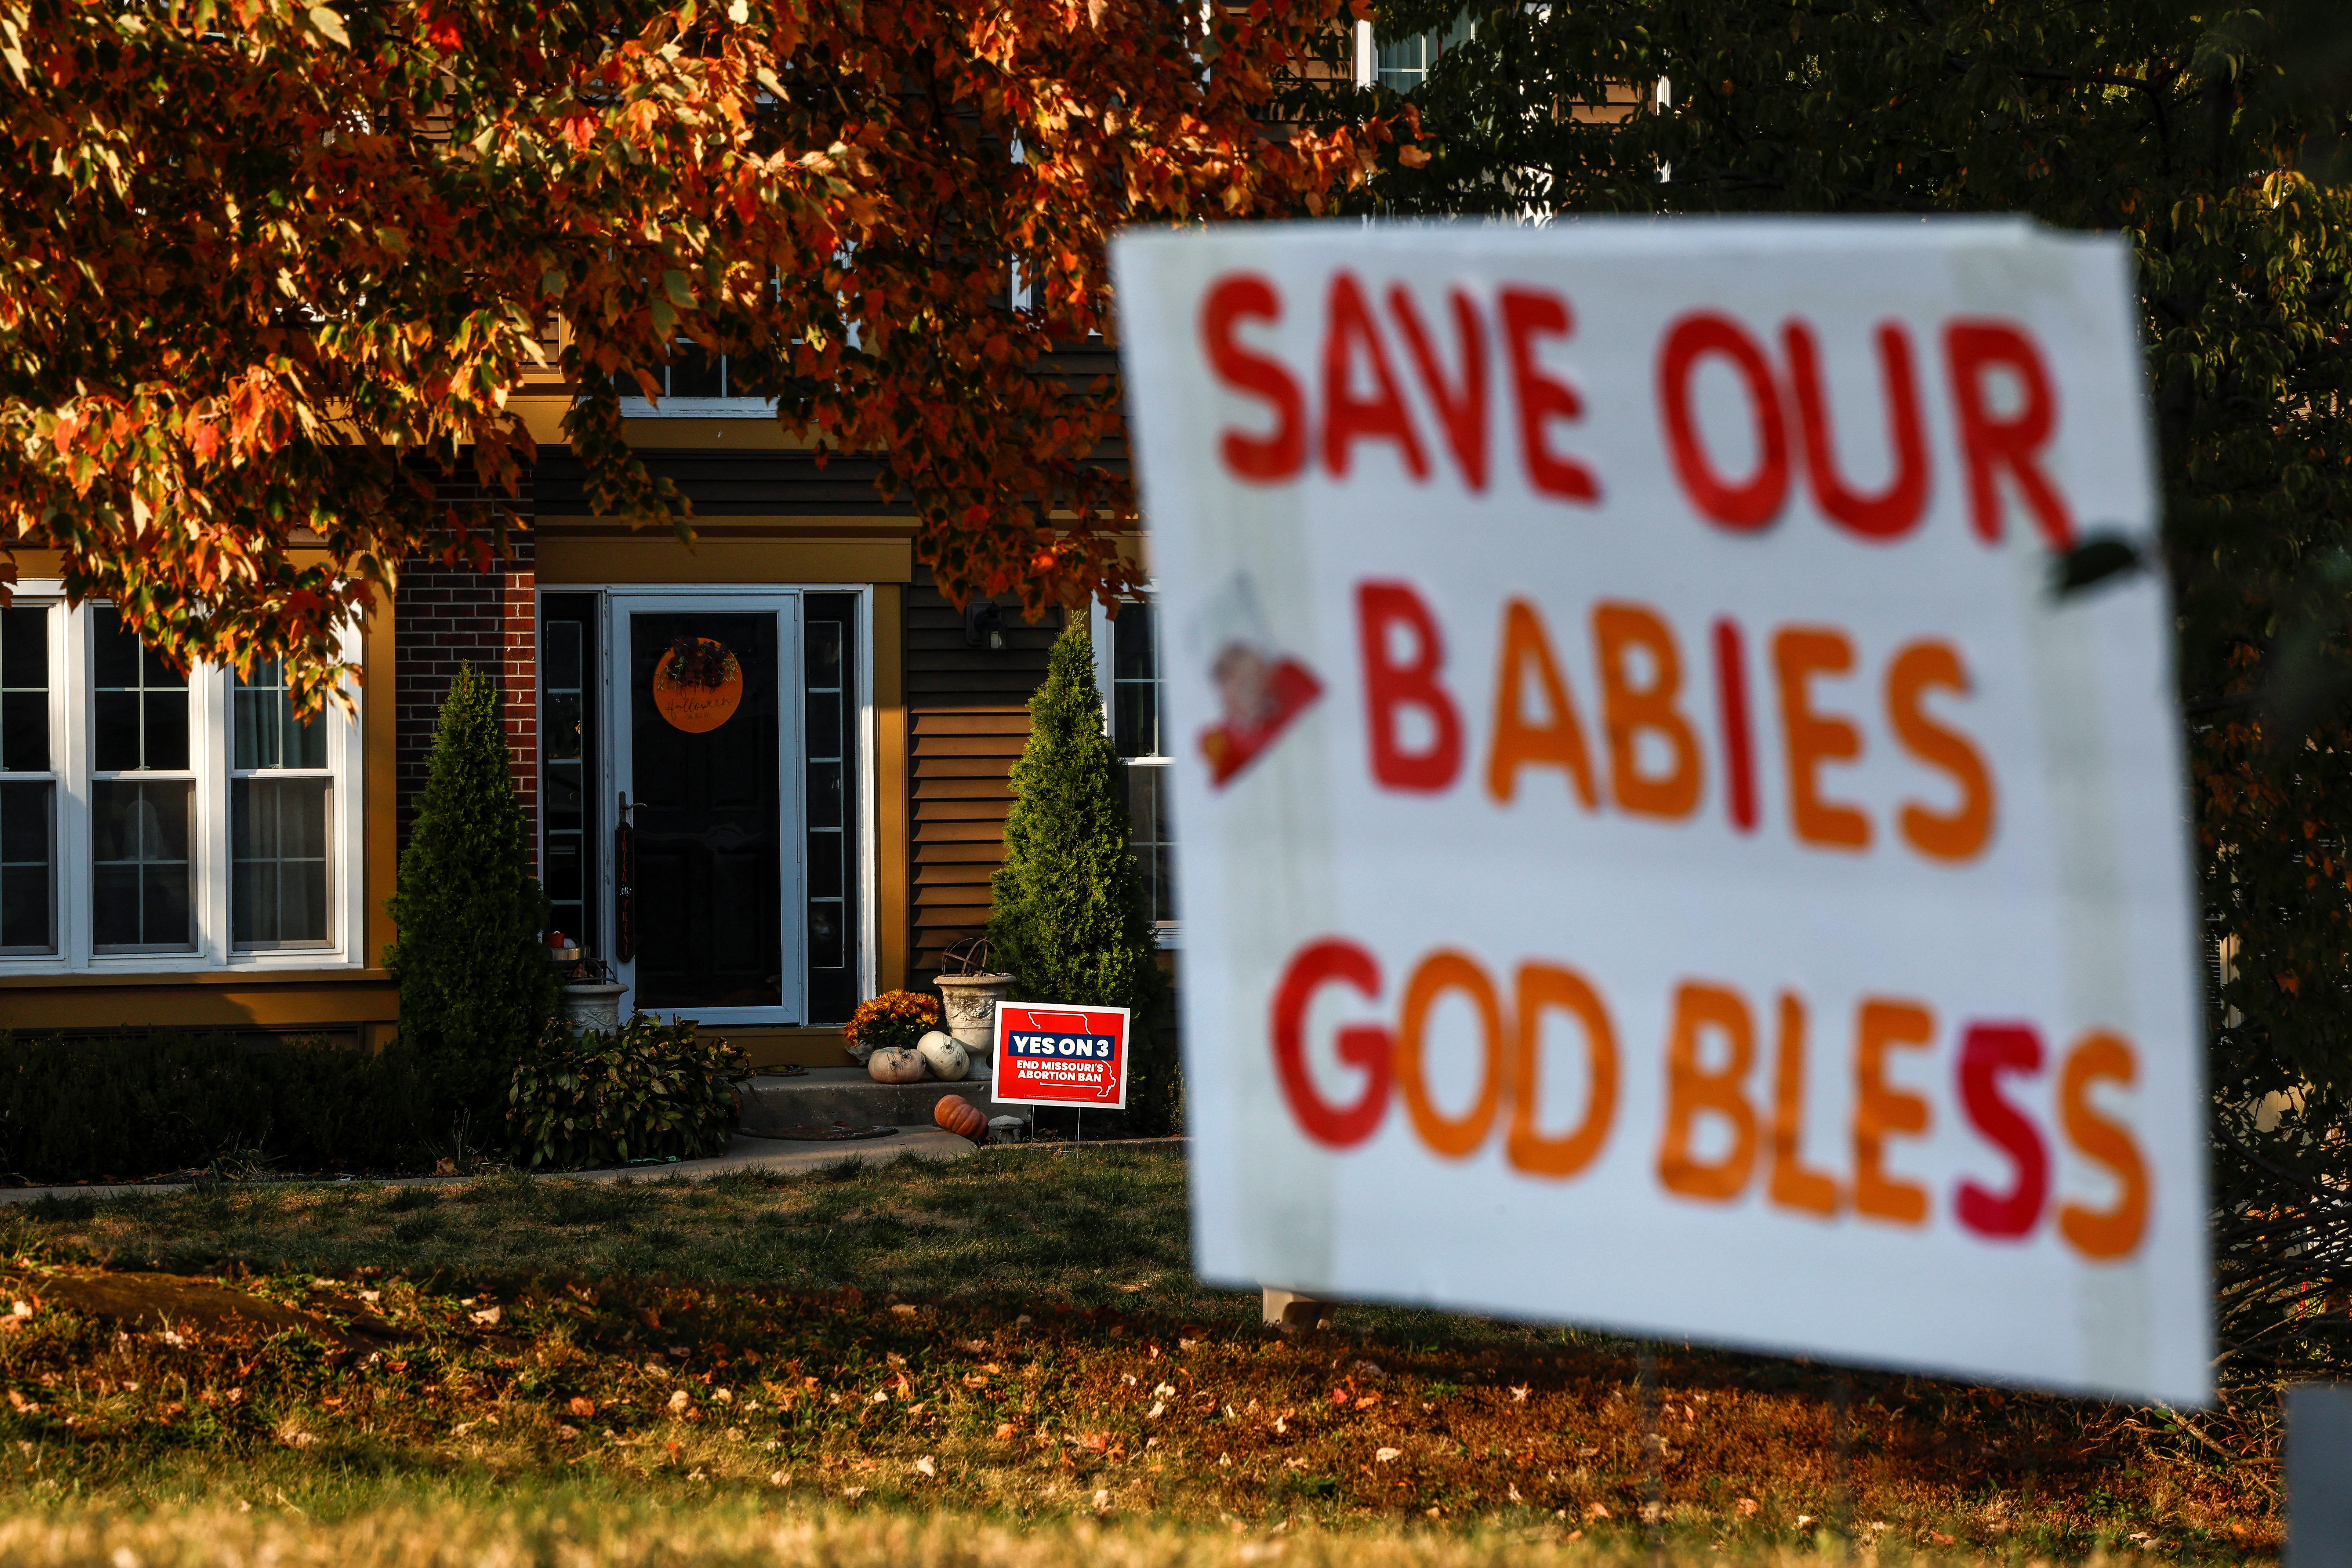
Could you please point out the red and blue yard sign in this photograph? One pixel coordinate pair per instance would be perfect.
(1049, 1054)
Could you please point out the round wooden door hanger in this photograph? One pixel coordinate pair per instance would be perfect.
(698, 685)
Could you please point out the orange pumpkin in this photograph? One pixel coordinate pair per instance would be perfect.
(960, 1116)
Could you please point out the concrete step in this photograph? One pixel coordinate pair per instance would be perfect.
(827, 1095)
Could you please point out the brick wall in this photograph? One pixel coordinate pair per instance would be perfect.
(447, 616)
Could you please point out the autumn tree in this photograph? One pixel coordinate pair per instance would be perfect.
(269, 269)
(2210, 138)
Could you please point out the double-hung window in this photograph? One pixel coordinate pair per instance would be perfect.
(156, 818)
(1127, 658)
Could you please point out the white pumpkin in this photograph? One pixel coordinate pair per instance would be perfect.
(897, 1063)
(945, 1054)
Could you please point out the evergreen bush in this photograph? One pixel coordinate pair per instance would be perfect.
(651, 1091)
(476, 986)
(1069, 923)
(137, 1105)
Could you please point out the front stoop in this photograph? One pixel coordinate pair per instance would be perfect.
(824, 1096)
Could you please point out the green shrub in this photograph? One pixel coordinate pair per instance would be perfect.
(140, 1105)
(1069, 923)
(653, 1090)
(476, 986)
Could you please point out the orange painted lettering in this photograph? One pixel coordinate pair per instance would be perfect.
(1630, 710)
(2116, 1231)
(1554, 740)
(1961, 833)
(1694, 1090)
(1880, 1112)
(1454, 1138)
(1810, 739)
(1795, 1185)
(1543, 988)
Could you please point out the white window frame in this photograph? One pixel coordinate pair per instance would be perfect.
(1169, 933)
(72, 721)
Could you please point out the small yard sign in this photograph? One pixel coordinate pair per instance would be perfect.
(1048, 1054)
(1660, 847)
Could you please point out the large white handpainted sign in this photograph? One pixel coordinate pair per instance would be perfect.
(1654, 849)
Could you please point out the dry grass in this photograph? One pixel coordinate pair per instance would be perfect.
(562, 1346)
(721, 1535)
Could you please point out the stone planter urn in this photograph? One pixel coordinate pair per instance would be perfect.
(971, 1001)
(593, 1005)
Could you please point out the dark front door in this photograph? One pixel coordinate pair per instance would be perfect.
(706, 809)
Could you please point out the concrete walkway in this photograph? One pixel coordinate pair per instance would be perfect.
(743, 1154)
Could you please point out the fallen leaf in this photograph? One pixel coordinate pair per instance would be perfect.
(1598, 1511)
(1384, 1455)
(1514, 1493)
(927, 1466)
(489, 1316)
(1940, 1538)
(1747, 1508)
(1803, 1520)
(853, 1493)
(1004, 1430)
(903, 1310)
(1102, 1499)
(581, 1406)
(1159, 1408)
(1519, 1394)
(676, 1400)
(777, 1478)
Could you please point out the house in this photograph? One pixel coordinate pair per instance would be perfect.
(821, 825)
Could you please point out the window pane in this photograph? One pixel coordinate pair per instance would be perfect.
(563, 726)
(825, 868)
(1135, 682)
(823, 736)
(1132, 645)
(825, 794)
(27, 898)
(561, 668)
(139, 867)
(825, 653)
(1149, 835)
(828, 944)
(141, 707)
(267, 734)
(277, 846)
(24, 690)
(696, 373)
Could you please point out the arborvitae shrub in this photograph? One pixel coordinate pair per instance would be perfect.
(476, 986)
(140, 1105)
(1069, 923)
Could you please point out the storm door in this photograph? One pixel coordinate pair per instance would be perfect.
(707, 713)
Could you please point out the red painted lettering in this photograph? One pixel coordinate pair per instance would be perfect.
(1756, 500)
(1265, 459)
(1897, 510)
(1991, 443)
(1462, 409)
(1527, 316)
(1987, 1051)
(1391, 686)
(1364, 1046)
(1352, 337)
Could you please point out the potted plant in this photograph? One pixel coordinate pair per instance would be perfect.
(895, 1019)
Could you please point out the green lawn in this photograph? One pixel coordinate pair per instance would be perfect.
(902, 1360)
